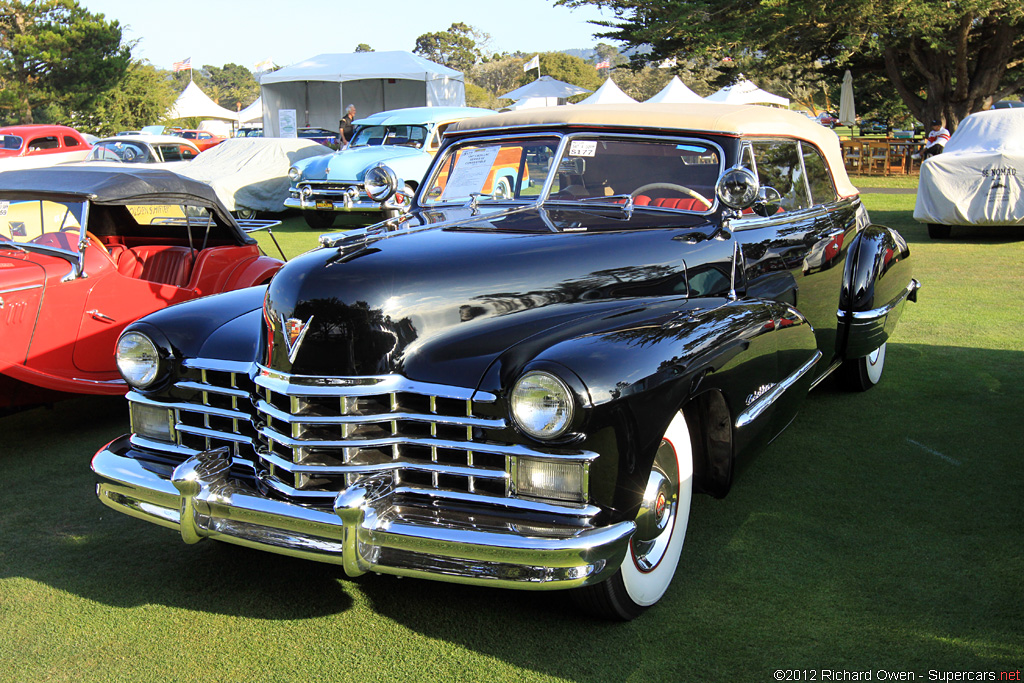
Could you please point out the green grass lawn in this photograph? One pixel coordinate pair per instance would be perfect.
(881, 531)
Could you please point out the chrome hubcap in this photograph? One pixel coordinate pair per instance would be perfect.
(656, 518)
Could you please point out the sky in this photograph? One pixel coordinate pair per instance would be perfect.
(220, 32)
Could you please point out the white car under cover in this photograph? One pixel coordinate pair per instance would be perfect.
(978, 178)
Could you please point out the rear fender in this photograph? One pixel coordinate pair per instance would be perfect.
(876, 283)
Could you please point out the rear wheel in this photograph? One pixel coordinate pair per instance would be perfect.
(654, 549)
(938, 232)
(245, 214)
(319, 220)
(860, 374)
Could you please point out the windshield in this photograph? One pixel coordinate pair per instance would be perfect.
(408, 136)
(10, 142)
(669, 174)
(117, 150)
(39, 222)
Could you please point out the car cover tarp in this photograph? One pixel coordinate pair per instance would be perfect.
(251, 173)
(977, 179)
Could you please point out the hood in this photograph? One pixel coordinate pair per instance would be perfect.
(440, 304)
(351, 164)
(21, 293)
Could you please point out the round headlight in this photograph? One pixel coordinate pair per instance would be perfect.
(542, 405)
(737, 188)
(137, 359)
(294, 174)
(380, 182)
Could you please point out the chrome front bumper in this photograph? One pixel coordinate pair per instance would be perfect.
(371, 528)
(871, 329)
(333, 204)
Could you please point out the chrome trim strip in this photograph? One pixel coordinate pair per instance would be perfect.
(20, 289)
(515, 450)
(387, 466)
(376, 418)
(237, 367)
(190, 408)
(312, 385)
(213, 389)
(876, 313)
(213, 434)
(755, 409)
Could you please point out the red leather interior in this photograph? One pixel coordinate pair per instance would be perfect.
(683, 203)
(157, 263)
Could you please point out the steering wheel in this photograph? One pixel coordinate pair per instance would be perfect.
(671, 186)
(96, 240)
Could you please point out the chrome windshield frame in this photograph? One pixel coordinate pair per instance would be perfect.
(565, 138)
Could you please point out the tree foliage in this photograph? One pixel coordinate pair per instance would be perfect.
(143, 97)
(56, 57)
(943, 58)
(455, 48)
(363, 47)
(235, 85)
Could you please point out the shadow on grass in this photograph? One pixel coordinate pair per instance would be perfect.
(882, 529)
(917, 233)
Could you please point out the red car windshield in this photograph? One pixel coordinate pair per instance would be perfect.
(10, 142)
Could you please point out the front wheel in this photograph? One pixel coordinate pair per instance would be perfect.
(319, 220)
(860, 374)
(654, 549)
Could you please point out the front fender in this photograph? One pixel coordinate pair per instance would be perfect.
(639, 373)
(876, 283)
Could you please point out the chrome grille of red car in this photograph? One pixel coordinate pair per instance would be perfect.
(320, 435)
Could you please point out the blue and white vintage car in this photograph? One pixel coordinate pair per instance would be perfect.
(406, 140)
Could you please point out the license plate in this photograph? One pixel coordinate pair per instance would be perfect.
(321, 204)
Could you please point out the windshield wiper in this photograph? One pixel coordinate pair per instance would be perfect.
(621, 201)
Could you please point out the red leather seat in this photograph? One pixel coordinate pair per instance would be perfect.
(683, 203)
(157, 263)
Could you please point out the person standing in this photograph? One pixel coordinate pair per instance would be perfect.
(345, 125)
(936, 140)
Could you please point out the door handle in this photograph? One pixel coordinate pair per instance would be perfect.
(99, 316)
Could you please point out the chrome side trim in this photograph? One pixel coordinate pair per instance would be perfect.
(909, 293)
(768, 398)
(20, 289)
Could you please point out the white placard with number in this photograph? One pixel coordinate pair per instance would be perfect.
(470, 173)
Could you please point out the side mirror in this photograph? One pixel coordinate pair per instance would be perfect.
(769, 202)
(737, 188)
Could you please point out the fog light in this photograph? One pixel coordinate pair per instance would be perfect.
(152, 422)
(551, 479)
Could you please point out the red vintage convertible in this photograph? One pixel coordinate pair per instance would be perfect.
(85, 251)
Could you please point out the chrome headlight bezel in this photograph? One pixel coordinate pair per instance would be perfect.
(294, 174)
(542, 405)
(380, 183)
(138, 359)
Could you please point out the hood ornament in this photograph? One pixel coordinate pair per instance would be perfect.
(294, 331)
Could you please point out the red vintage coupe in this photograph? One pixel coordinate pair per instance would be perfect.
(85, 251)
(33, 146)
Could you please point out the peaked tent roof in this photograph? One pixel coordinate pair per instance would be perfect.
(356, 66)
(609, 93)
(745, 92)
(675, 92)
(545, 86)
(252, 113)
(194, 102)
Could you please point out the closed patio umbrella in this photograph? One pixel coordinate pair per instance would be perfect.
(847, 112)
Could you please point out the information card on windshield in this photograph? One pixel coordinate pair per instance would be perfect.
(470, 173)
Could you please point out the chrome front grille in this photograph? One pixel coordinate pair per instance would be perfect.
(308, 438)
(320, 435)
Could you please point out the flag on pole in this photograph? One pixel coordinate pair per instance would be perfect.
(603, 65)
(532, 64)
(183, 65)
(265, 65)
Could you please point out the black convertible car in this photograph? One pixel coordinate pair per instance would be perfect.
(520, 388)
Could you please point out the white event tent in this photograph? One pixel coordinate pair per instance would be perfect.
(320, 88)
(745, 92)
(253, 113)
(675, 92)
(193, 102)
(609, 93)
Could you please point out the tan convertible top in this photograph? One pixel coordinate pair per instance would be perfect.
(731, 119)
